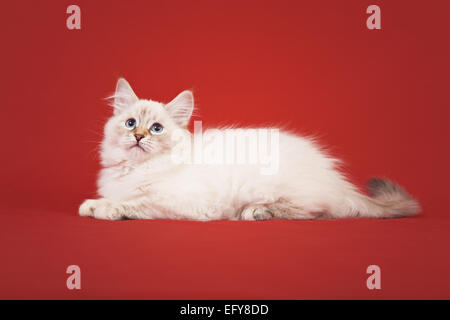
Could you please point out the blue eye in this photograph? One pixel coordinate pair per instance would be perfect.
(156, 128)
(130, 123)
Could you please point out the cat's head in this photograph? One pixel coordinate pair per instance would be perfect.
(140, 129)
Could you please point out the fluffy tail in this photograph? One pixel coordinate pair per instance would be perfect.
(387, 200)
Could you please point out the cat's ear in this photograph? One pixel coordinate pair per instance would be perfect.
(124, 97)
(180, 108)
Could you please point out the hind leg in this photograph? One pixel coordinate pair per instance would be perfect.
(256, 212)
(281, 209)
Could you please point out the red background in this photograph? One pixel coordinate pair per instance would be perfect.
(378, 99)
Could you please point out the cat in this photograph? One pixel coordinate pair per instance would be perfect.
(141, 180)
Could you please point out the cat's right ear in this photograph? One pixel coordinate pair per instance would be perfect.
(124, 97)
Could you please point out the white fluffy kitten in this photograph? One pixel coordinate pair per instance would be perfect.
(140, 180)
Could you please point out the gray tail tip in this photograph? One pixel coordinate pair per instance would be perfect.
(389, 192)
(382, 186)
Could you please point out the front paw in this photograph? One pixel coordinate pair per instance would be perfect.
(100, 209)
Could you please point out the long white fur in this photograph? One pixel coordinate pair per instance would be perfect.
(144, 183)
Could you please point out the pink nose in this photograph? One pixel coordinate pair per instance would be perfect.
(138, 137)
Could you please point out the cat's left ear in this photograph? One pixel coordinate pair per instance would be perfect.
(124, 97)
(180, 108)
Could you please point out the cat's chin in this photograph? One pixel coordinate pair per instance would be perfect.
(137, 147)
(137, 152)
